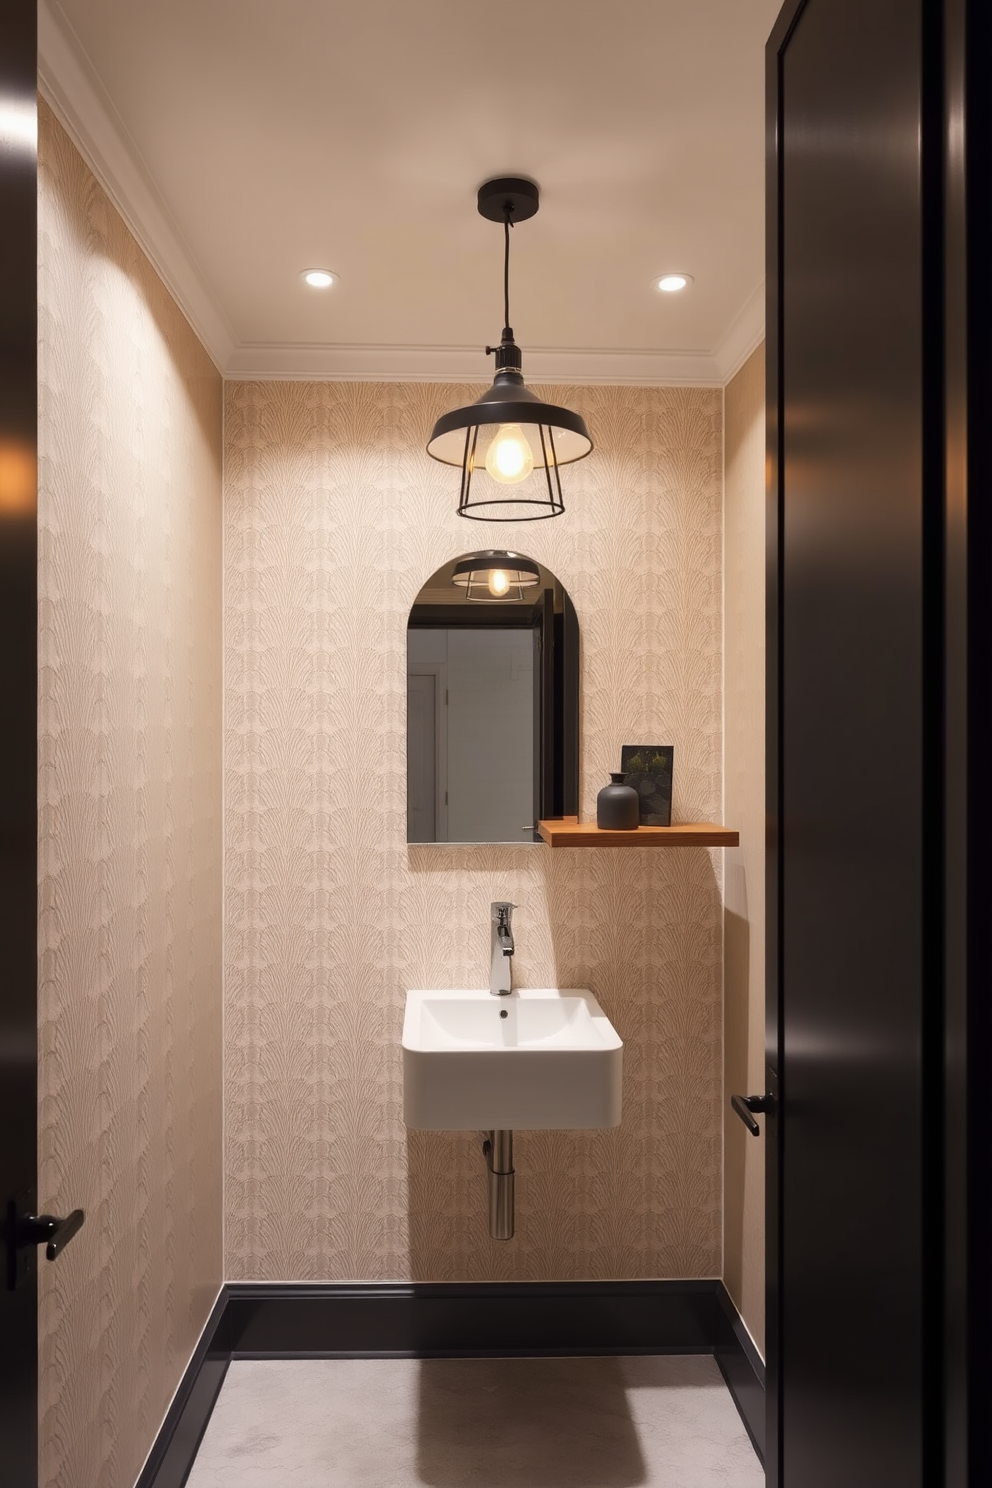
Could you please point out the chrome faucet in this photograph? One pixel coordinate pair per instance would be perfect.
(501, 945)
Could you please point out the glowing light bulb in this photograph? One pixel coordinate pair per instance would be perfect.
(499, 583)
(510, 458)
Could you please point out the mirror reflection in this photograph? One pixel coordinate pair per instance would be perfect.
(492, 701)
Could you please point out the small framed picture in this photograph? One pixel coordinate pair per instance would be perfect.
(648, 768)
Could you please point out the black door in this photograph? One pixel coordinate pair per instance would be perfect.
(18, 734)
(868, 775)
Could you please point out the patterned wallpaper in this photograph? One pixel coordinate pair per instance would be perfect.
(334, 518)
(130, 832)
(744, 920)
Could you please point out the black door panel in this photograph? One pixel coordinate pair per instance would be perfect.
(18, 738)
(856, 699)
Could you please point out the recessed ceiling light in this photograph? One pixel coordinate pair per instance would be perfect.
(319, 278)
(672, 283)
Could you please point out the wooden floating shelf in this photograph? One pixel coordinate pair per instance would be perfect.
(570, 832)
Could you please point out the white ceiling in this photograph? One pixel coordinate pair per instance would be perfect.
(246, 140)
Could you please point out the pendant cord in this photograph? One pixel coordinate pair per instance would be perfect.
(506, 265)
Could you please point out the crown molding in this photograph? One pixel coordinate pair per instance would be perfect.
(745, 334)
(467, 364)
(69, 84)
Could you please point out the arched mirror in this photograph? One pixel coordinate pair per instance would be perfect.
(492, 701)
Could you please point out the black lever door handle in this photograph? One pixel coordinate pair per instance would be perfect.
(35, 1229)
(745, 1104)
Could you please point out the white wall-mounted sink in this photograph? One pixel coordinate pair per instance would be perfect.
(537, 1059)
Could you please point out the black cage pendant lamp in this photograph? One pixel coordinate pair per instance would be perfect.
(511, 441)
(495, 577)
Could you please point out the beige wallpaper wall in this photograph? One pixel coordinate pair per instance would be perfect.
(334, 518)
(130, 836)
(744, 792)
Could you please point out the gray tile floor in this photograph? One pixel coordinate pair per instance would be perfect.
(642, 1422)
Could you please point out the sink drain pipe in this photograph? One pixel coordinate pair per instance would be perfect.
(498, 1149)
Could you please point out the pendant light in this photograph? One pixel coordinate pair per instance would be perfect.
(495, 577)
(519, 441)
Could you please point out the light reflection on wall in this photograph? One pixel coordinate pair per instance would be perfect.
(18, 478)
(19, 126)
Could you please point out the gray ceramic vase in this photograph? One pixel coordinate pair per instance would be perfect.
(617, 806)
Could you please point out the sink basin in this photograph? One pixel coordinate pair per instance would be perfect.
(553, 1061)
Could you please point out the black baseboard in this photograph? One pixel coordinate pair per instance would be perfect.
(448, 1320)
(173, 1450)
(421, 1320)
(744, 1371)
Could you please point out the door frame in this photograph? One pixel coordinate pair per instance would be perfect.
(19, 739)
(439, 671)
(967, 1032)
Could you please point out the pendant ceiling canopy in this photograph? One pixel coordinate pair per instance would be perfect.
(509, 443)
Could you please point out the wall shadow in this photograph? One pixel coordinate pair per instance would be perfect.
(470, 857)
(535, 1423)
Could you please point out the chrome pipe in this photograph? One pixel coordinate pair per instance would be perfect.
(498, 1149)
